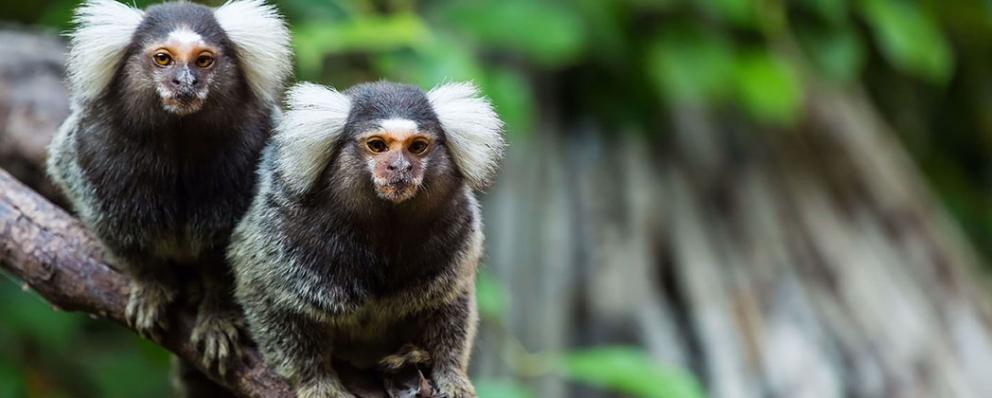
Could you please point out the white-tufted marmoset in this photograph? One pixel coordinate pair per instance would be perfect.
(171, 107)
(365, 235)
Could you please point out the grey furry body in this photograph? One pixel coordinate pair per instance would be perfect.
(147, 202)
(163, 190)
(334, 270)
(158, 156)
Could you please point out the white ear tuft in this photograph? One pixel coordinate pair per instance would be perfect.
(305, 137)
(472, 128)
(262, 41)
(103, 32)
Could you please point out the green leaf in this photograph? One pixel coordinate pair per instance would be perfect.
(831, 10)
(11, 380)
(428, 68)
(314, 40)
(59, 14)
(501, 389)
(690, 65)
(739, 12)
(125, 372)
(298, 11)
(909, 38)
(838, 53)
(512, 97)
(28, 316)
(630, 371)
(768, 87)
(491, 296)
(607, 19)
(546, 32)
(651, 5)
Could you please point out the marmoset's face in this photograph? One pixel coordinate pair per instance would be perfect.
(183, 66)
(397, 156)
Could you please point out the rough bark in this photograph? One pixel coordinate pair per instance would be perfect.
(55, 256)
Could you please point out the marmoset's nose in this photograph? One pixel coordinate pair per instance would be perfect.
(179, 82)
(185, 77)
(400, 164)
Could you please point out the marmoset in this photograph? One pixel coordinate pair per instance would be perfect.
(171, 107)
(365, 235)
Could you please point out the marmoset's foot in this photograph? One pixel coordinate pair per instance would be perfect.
(216, 335)
(146, 307)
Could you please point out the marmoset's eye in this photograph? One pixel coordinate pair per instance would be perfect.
(418, 147)
(377, 145)
(162, 59)
(205, 60)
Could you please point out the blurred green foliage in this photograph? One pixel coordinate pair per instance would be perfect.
(631, 371)
(52, 354)
(502, 389)
(623, 62)
(626, 370)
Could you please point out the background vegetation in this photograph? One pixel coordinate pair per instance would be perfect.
(626, 64)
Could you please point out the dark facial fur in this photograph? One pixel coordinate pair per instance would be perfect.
(182, 60)
(396, 179)
(396, 160)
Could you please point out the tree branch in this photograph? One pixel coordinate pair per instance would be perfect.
(57, 257)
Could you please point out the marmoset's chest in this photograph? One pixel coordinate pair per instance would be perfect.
(381, 262)
(176, 204)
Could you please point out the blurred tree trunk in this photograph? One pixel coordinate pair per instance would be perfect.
(806, 263)
(33, 103)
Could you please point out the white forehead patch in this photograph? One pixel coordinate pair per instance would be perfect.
(398, 125)
(185, 35)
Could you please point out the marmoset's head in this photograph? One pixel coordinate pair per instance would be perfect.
(181, 55)
(394, 137)
(388, 139)
(396, 154)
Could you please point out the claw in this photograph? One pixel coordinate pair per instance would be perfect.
(145, 311)
(222, 362)
(223, 350)
(330, 388)
(408, 355)
(216, 336)
(210, 352)
(453, 385)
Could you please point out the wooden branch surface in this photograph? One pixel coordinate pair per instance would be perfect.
(57, 257)
(54, 254)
